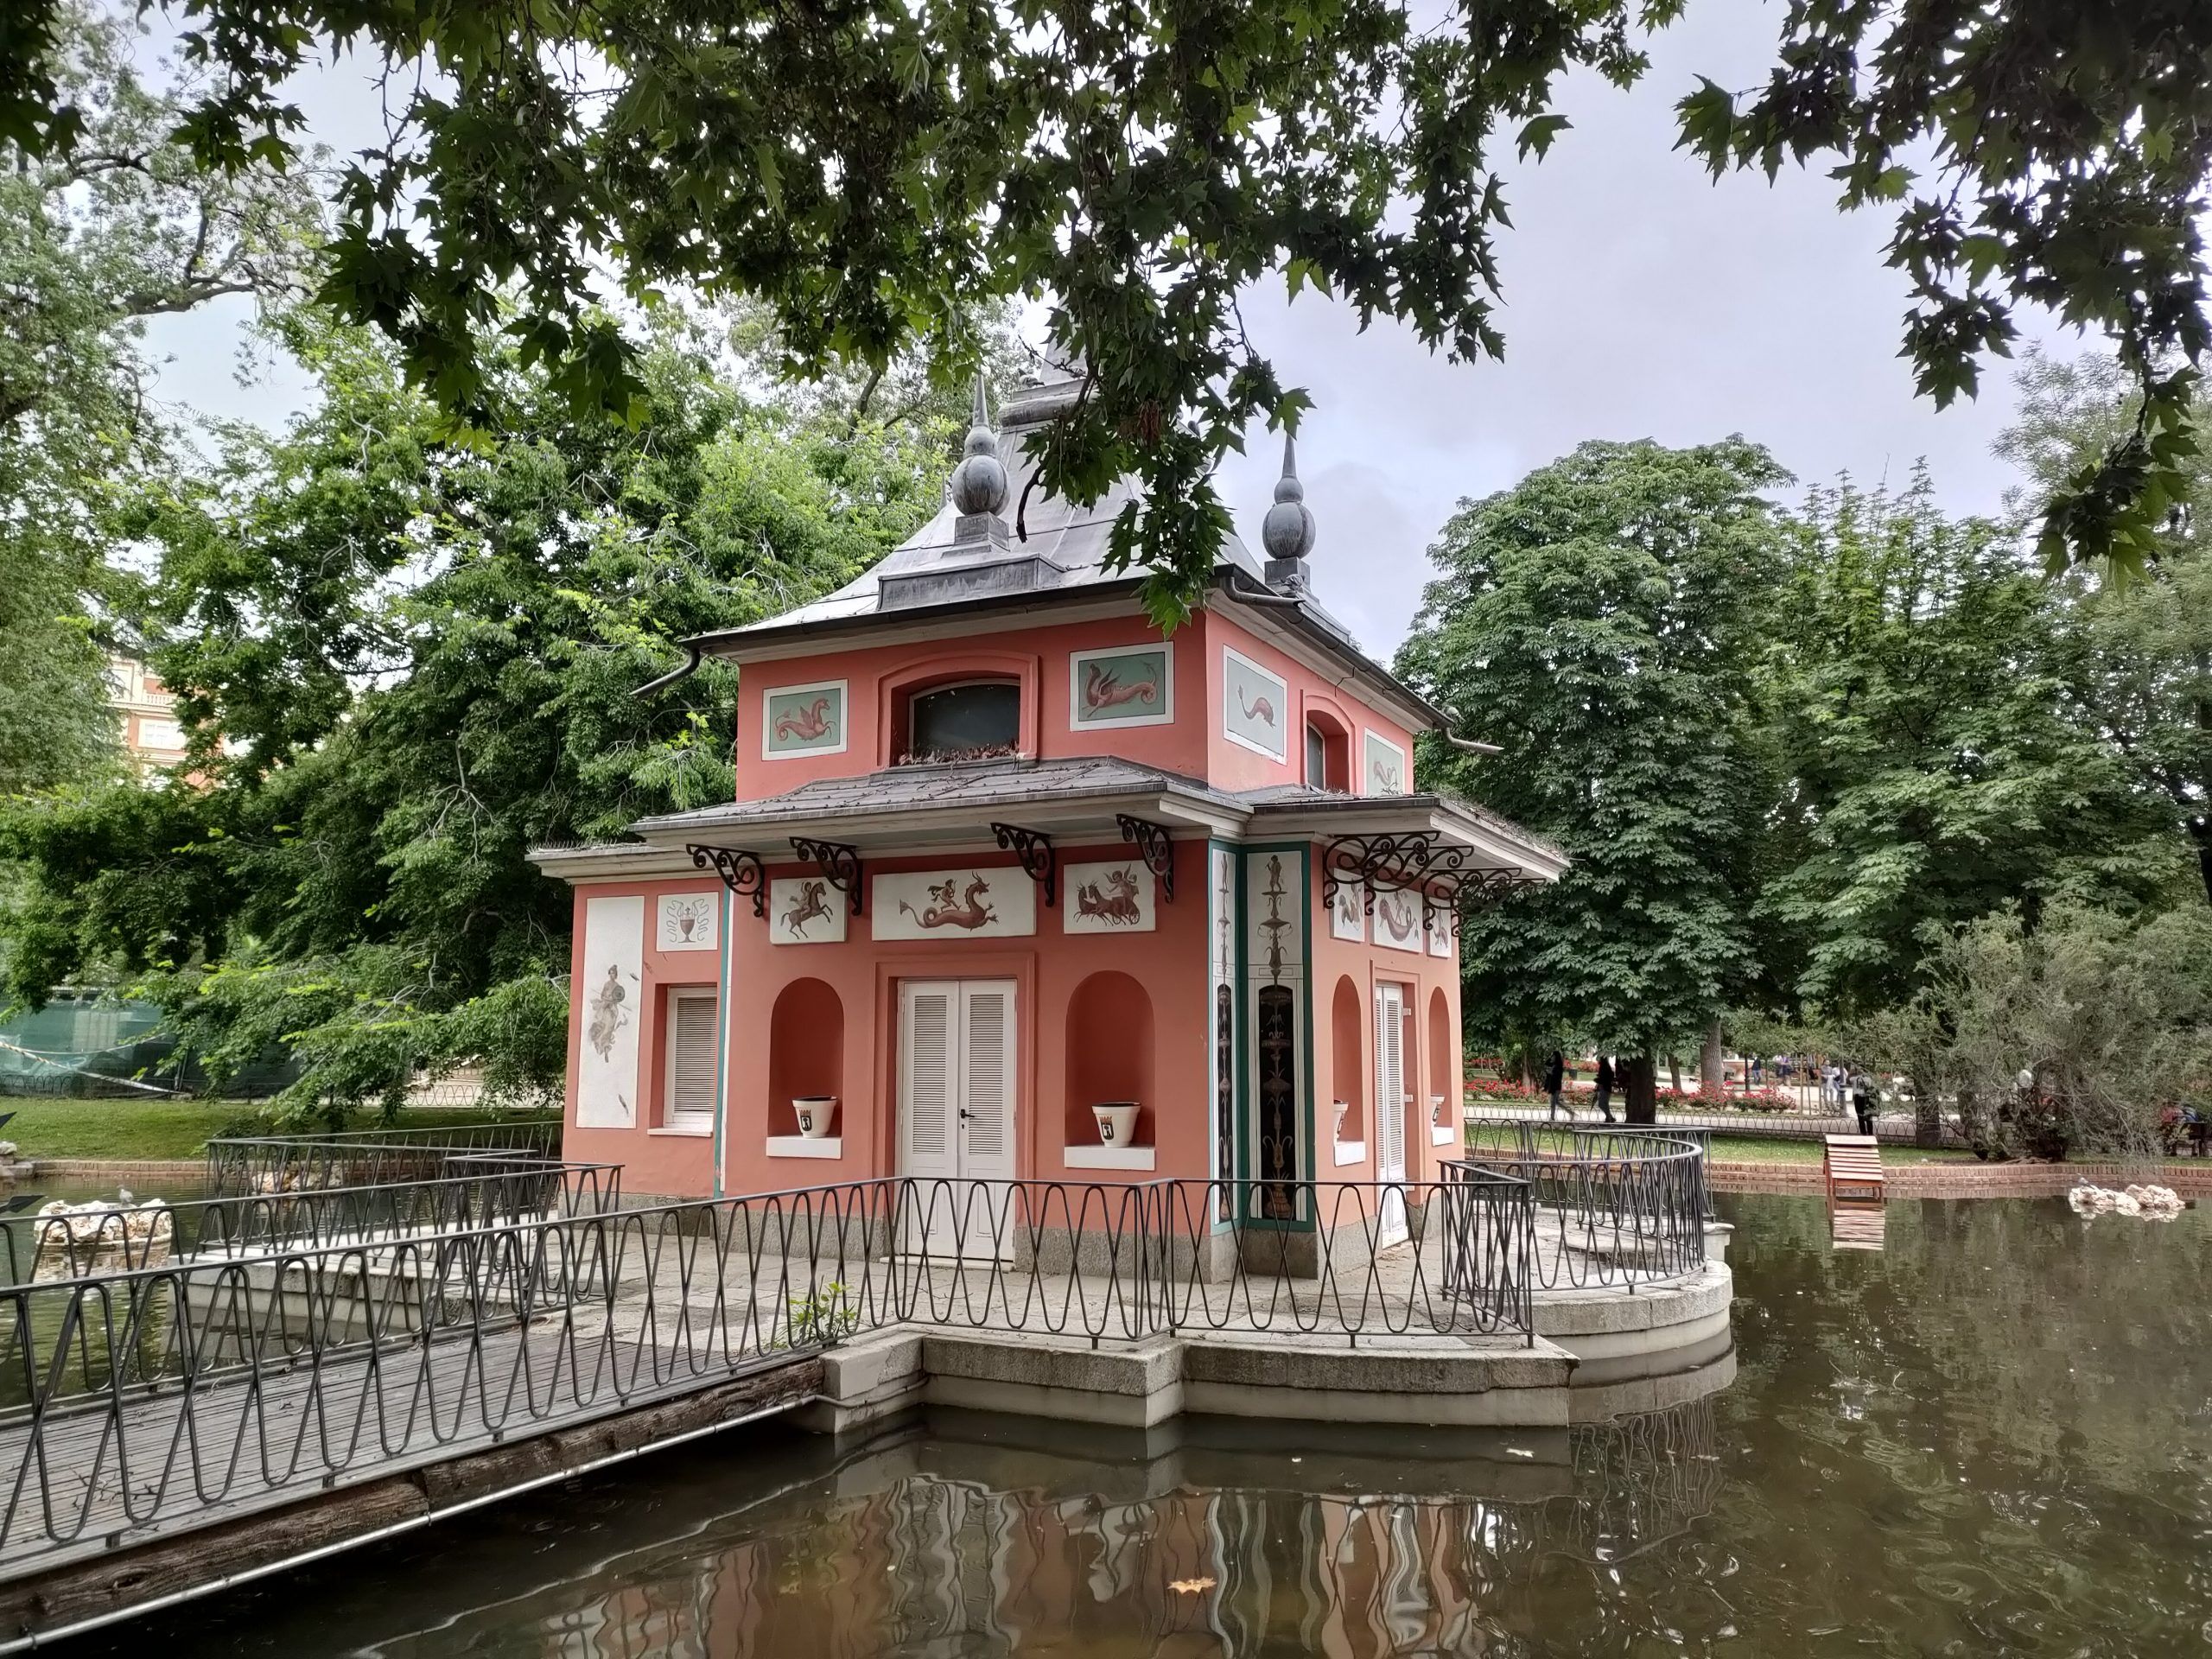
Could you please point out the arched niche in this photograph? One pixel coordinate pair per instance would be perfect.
(1443, 1058)
(1348, 1059)
(806, 1052)
(1109, 1056)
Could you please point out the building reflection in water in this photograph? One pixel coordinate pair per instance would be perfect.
(1206, 1550)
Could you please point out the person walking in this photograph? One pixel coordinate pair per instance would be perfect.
(1862, 1101)
(1604, 1082)
(1555, 1078)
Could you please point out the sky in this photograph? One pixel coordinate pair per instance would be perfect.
(1643, 300)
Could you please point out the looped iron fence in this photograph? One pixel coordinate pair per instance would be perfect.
(182, 1392)
(248, 1164)
(480, 1190)
(1612, 1207)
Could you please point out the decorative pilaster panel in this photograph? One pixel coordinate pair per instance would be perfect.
(1221, 982)
(1276, 975)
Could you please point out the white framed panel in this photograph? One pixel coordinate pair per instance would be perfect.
(800, 720)
(1000, 903)
(1119, 897)
(1348, 912)
(607, 1058)
(1254, 706)
(1382, 769)
(1122, 685)
(687, 921)
(1400, 921)
(806, 910)
(1440, 929)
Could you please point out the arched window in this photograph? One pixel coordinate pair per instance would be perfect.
(1328, 754)
(968, 719)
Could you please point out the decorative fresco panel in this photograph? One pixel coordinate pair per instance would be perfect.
(803, 720)
(613, 992)
(1256, 707)
(992, 904)
(1132, 685)
(1348, 912)
(805, 909)
(1274, 910)
(688, 921)
(1225, 914)
(1399, 923)
(1277, 1049)
(1121, 896)
(1440, 929)
(1383, 766)
(1276, 974)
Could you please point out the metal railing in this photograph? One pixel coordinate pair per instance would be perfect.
(1612, 1207)
(184, 1392)
(244, 1164)
(484, 1190)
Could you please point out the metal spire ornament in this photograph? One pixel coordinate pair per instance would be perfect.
(1288, 531)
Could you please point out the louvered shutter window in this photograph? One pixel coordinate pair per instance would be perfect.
(693, 1024)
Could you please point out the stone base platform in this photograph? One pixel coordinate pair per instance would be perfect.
(1597, 1353)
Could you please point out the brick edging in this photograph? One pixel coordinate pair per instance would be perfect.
(111, 1171)
(1963, 1180)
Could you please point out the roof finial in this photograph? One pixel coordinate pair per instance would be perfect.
(979, 482)
(1288, 531)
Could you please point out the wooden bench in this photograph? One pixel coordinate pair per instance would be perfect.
(1854, 1165)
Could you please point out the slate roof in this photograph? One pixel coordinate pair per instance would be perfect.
(1071, 539)
(987, 788)
(982, 784)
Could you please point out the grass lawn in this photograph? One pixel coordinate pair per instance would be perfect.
(151, 1127)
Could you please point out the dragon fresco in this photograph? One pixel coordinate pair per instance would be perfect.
(1259, 708)
(1103, 689)
(805, 723)
(968, 910)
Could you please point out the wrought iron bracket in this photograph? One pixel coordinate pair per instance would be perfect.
(742, 873)
(1389, 863)
(1158, 850)
(839, 863)
(1038, 861)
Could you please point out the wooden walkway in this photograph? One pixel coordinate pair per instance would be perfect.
(173, 1460)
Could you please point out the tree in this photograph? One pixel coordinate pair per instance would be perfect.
(1935, 771)
(401, 665)
(1602, 622)
(882, 173)
(2112, 1016)
(121, 227)
(2142, 674)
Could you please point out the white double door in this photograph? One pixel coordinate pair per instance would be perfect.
(956, 1050)
(1390, 1104)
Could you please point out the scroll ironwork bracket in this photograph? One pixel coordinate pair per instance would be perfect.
(1158, 850)
(839, 863)
(742, 872)
(1038, 861)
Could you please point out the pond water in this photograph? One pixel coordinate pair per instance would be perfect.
(1992, 1436)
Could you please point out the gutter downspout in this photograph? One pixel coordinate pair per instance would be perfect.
(690, 667)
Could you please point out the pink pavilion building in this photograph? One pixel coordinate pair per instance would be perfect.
(1002, 853)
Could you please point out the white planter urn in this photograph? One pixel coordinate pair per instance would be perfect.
(1118, 1122)
(1337, 1128)
(814, 1113)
